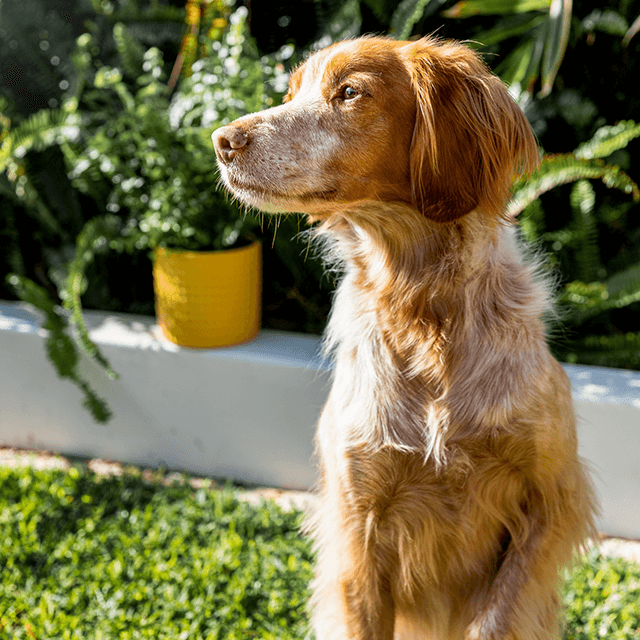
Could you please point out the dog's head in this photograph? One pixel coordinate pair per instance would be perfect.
(421, 122)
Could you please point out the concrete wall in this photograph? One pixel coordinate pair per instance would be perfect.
(249, 412)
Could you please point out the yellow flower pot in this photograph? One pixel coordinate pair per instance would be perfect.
(208, 298)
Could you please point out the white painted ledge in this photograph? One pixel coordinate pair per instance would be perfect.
(249, 412)
(246, 412)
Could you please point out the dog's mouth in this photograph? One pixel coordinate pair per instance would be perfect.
(268, 194)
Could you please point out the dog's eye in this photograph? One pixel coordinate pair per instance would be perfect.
(349, 93)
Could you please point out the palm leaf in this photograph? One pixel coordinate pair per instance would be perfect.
(558, 28)
(466, 8)
(406, 15)
(519, 24)
(520, 69)
(633, 29)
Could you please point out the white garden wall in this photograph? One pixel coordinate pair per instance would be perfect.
(249, 412)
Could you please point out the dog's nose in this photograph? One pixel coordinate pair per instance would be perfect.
(228, 142)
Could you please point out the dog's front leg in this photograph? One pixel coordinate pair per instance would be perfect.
(351, 593)
(352, 598)
(523, 602)
(519, 606)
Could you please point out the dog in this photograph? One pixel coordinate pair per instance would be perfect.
(451, 488)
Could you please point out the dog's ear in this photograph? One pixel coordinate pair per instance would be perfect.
(470, 138)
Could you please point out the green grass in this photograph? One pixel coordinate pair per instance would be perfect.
(91, 557)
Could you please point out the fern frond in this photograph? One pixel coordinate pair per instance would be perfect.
(40, 131)
(93, 238)
(625, 281)
(587, 300)
(619, 350)
(561, 169)
(585, 232)
(130, 50)
(532, 222)
(608, 139)
(59, 346)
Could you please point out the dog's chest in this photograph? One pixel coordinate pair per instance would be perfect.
(373, 399)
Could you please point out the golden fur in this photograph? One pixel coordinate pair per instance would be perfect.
(451, 492)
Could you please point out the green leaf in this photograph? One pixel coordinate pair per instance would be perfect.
(608, 21)
(39, 131)
(585, 232)
(591, 299)
(558, 28)
(517, 25)
(609, 139)
(406, 15)
(608, 350)
(520, 68)
(633, 30)
(92, 556)
(466, 8)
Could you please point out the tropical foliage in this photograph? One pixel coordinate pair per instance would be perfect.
(596, 293)
(111, 154)
(144, 157)
(573, 69)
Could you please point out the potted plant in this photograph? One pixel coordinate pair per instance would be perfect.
(142, 153)
(162, 196)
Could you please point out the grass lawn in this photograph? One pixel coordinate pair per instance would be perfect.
(92, 557)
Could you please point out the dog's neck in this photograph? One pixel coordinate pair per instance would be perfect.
(443, 309)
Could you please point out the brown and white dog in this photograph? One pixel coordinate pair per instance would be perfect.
(452, 492)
